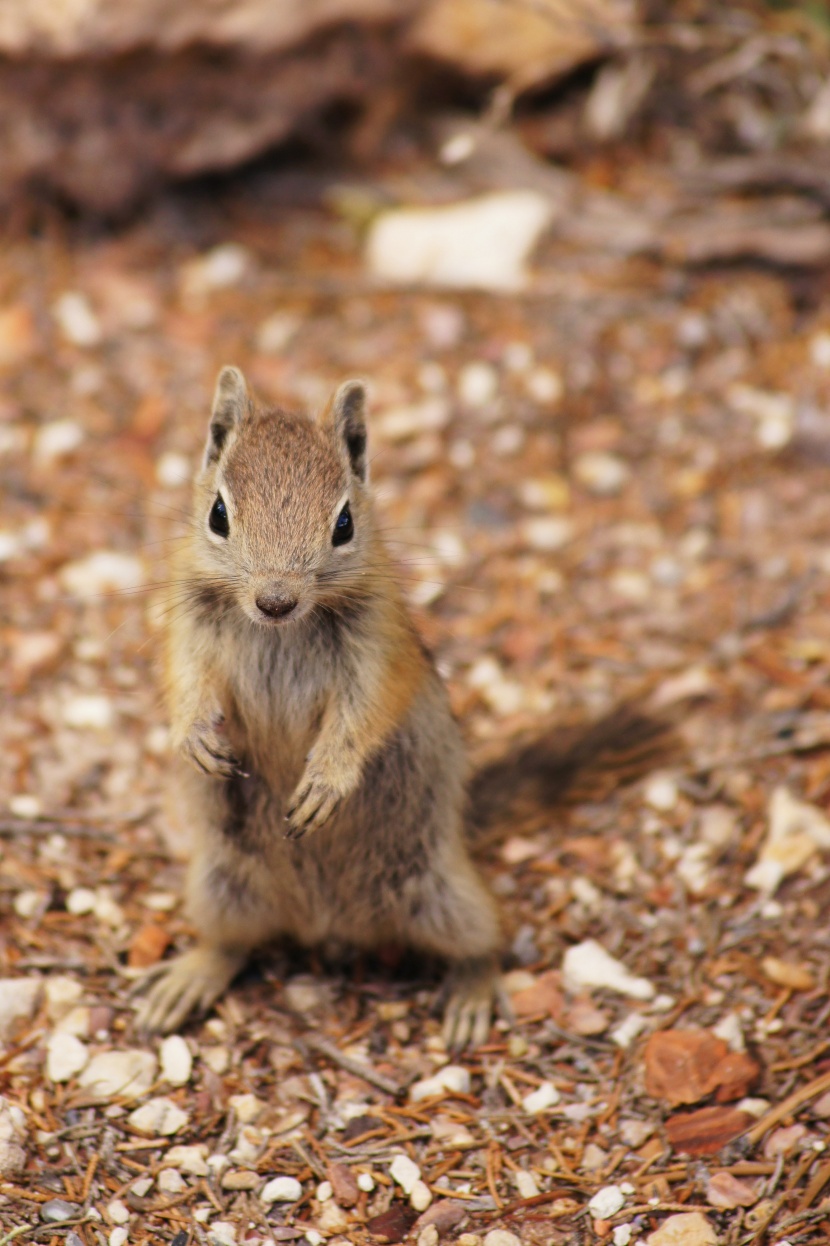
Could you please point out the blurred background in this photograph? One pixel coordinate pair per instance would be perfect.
(581, 251)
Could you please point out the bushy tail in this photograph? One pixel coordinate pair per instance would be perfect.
(568, 766)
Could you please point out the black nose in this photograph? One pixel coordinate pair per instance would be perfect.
(275, 607)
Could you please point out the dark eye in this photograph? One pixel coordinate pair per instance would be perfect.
(218, 517)
(344, 528)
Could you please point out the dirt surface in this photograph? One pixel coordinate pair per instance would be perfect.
(611, 485)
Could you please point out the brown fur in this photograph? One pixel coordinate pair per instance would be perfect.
(326, 791)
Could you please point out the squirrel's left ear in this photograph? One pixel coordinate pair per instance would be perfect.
(346, 413)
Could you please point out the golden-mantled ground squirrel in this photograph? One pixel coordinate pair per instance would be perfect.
(322, 773)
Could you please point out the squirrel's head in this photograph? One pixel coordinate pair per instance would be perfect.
(283, 518)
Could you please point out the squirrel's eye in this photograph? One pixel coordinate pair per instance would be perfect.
(344, 528)
(218, 517)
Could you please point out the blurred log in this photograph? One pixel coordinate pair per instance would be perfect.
(102, 102)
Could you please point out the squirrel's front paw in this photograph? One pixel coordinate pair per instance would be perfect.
(207, 746)
(312, 805)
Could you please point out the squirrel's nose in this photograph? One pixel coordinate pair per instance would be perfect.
(274, 606)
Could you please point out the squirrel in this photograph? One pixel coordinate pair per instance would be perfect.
(319, 764)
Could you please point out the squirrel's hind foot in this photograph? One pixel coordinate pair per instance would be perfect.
(190, 983)
(473, 993)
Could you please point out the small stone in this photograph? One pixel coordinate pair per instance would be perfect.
(29, 903)
(217, 1058)
(594, 1158)
(547, 534)
(105, 571)
(606, 1202)
(324, 1192)
(404, 1172)
(634, 1132)
(80, 901)
(240, 1179)
(117, 1237)
(176, 1061)
(420, 1196)
(248, 1108)
(218, 269)
(526, 1184)
(62, 994)
(782, 1141)
(76, 320)
(500, 1237)
(622, 1234)
(600, 473)
(628, 1029)
(58, 1210)
(793, 977)
(66, 1055)
(539, 1100)
(118, 1212)
(173, 470)
(171, 1181)
(250, 1143)
(275, 332)
(53, 440)
(313, 1237)
(797, 830)
(142, 1187)
(544, 386)
(685, 1229)
(282, 1190)
(12, 1137)
(452, 1078)
(222, 1233)
(726, 1192)
(126, 1074)
(366, 1182)
(333, 1219)
(19, 999)
(191, 1159)
(158, 1118)
(661, 793)
(428, 1236)
(478, 384)
(588, 965)
(90, 711)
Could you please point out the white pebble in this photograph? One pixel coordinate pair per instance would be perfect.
(628, 1029)
(176, 1060)
(171, 1181)
(216, 1058)
(173, 470)
(19, 998)
(222, 1233)
(118, 1236)
(88, 711)
(191, 1159)
(324, 1191)
(66, 1055)
(62, 992)
(661, 793)
(601, 473)
(127, 1074)
(547, 534)
(314, 1238)
(27, 903)
(159, 1117)
(275, 332)
(539, 1100)
(282, 1190)
(526, 1184)
(820, 350)
(478, 384)
(452, 1077)
(587, 965)
(25, 805)
(545, 386)
(142, 1187)
(55, 439)
(105, 571)
(622, 1234)
(81, 900)
(118, 1212)
(365, 1182)
(248, 1108)
(501, 1237)
(420, 1196)
(405, 1173)
(76, 319)
(606, 1202)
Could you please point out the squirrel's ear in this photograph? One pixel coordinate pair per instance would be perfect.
(346, 413)
(230, 403)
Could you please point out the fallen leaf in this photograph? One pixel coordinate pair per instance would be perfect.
(736, 1073)
(544, 996)
(705, 1131)
(794, 977)
(680, 1065)
(394, 1224)
(344, 1184)
(689, 1228)
(583, 1017)
(149, 944)
(727, 1192)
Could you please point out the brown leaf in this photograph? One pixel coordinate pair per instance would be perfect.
(735, 1074)
(394, 1224)
(728, 1192)
(445, 1214)
(344, 1184)
(543, 997)
(704, 1132)
(783, 973)
(680, 1064)
(583, 1017)
(148, 946)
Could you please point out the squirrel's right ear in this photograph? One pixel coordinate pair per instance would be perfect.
(230, 404)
